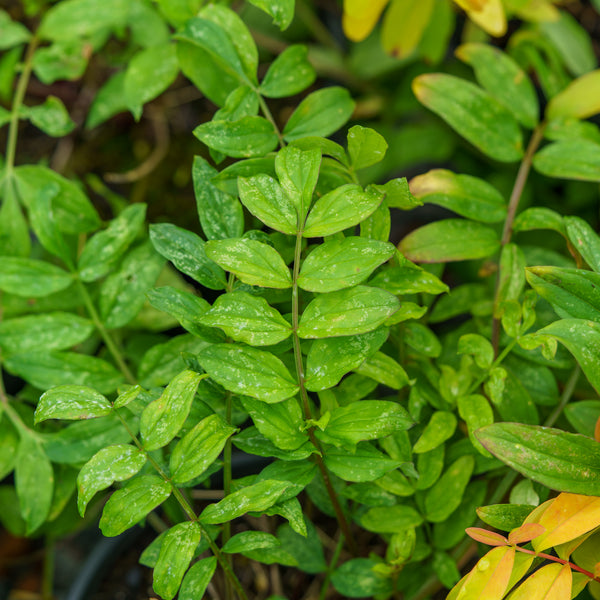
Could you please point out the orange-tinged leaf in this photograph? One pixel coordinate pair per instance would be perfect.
(488, 14)
(569, 516)
(404, 24)
(525, 533)
(536, 514)
(484, 536)
(360, 16)
(552, 582)
(580, 99)
(597, 430)
(490, 576)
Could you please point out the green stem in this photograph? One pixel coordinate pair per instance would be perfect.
(13, 128)
(226, 534)
(497, 362)
(331, 567)
(267, 112)
(110, 344)
(513, 205)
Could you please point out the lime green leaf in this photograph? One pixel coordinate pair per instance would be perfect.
(221, 215)
(321, 113)
(186, 251)
(476, 412)
(421, 339)
(113, 463)
(176, 553)
(570, 159)
(473, 113)
(366, 147)
(341, 208)
(357, 578)
(398, 195)
(347, 312)
(253, 498)
(408, 280)
(197, 579)
(444, 497)
(548, 582)
(264, 376)
(538, 217)
(9, 443)
(289, 74)
(391, 519)
(253, 262)
(163, 418)
(71, 402)
(559, 460)
(13, 33)
(502, 77)
(54, 331)
(479, 347)
(339, 264)
(468, 196)
(199, 448)
(250, 540)
(440, 428)
(329, 359)
(244, 138)
(365, 464)
(450, 240)
(579, 99)
(34, 480)
(104, 249)
(51, 117)
(585, 240)
(385, 370)
(282, 11)
(132, 503)
(30, 277)
(149, 73)
(247, 318)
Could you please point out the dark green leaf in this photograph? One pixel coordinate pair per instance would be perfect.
(253, 442)
(289, 74)
(583, 416)
(365, 464)
(390, 519)
(250, 540)
(408, 280)
(108, 101)
(132, 503)
(473, 113)
(308, 550)
(505, 517)
(197, 579)
(357, 578)
(570, 159)
(30, 277)
(9, 443)
(71, 402)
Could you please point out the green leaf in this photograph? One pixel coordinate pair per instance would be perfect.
(13, 33)
(408, 280)
(473, 113)
(444, 497)
(73, 211)
(9, 443)
(340, 209)
(339, 264)
(468, 196)
(582, 340)
(253, 262)
(122, 295)
(53, 331)
(108, 101)
(441, 427)
(476, 412)
(365, 420)
(329, 359)
(357, 578)
(502, 77)
(51, 117)
(505, 517)
(398, 195)
(253, 442)
(289, 74)
(421, 339)
(347, 312)
(282, 11)
(246, 318)
(14, 232)
(308, 550)
(479, 347)
(221, 215)
(512, 274)
(365, 464)
(570, 159)
(199, 448)
(562, 461)
(164, 417)
(113, 463)
(31, 277)
(579, 99)
(390, 519)
(385, 370)
(538, 217)
(45, 370)
(79, 18)
(250, 540)
(459, 301)
(583, 416)
(149, 73)
(104, 249)
(132, 503)
(71, 402)
(321, 113)
(450, 240)
(573, 293)
(366, 147)
(253, 498)
(585, 240)
(282, 423)
(244, 138)
(264, 376)
(186, 251)
(34, 480)
(176, 553)
(197, 579)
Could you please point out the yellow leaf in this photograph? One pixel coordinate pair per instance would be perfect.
(404, 24)
(552, 582)
(490, 576)
(568, 517)
(565, 550)
(488, 14)
(360, 16)
(580, 99)
(536, 514)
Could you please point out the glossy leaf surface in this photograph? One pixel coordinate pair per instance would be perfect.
(71, 402)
